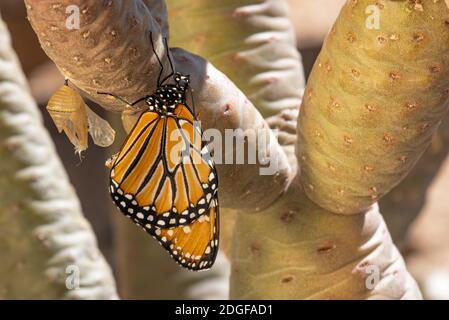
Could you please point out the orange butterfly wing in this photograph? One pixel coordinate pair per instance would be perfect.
(155, 180)
(193, 246)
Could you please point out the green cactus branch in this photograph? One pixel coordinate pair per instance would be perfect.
(373, 102)
(44, 237)
(404, 203)
(290, 250)
(256, 50)
(258, 40)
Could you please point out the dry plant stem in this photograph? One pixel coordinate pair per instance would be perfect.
(373, 101)
(42, 230)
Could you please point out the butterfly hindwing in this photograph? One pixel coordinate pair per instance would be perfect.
(193, 246)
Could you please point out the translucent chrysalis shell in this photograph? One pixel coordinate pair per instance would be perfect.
(99, 129)
(71, 115)
(68, 111)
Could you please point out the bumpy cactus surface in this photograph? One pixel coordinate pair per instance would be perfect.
(48, 249)
(375, 97)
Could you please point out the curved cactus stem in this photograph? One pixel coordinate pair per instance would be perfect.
(404, 203)
(376, 95)
(290, 250)
(48, 249)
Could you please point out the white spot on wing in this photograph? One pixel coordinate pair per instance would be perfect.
(187, 229)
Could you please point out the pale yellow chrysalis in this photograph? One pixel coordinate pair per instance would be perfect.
(68, 111)
(71, 115)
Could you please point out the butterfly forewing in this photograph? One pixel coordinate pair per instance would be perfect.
(160, 177)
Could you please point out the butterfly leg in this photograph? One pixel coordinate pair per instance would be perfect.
(158, 59)
(123, 100)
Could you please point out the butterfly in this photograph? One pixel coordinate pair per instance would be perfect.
(164, 178)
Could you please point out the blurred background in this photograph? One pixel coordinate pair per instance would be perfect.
(417, 212)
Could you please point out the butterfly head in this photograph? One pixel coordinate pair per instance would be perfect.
(168, 96)
(182, 81)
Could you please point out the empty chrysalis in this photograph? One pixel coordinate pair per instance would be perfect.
(70, 114)
(68, 111)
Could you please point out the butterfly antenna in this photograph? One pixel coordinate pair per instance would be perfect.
(167, 49)
(158, 59)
